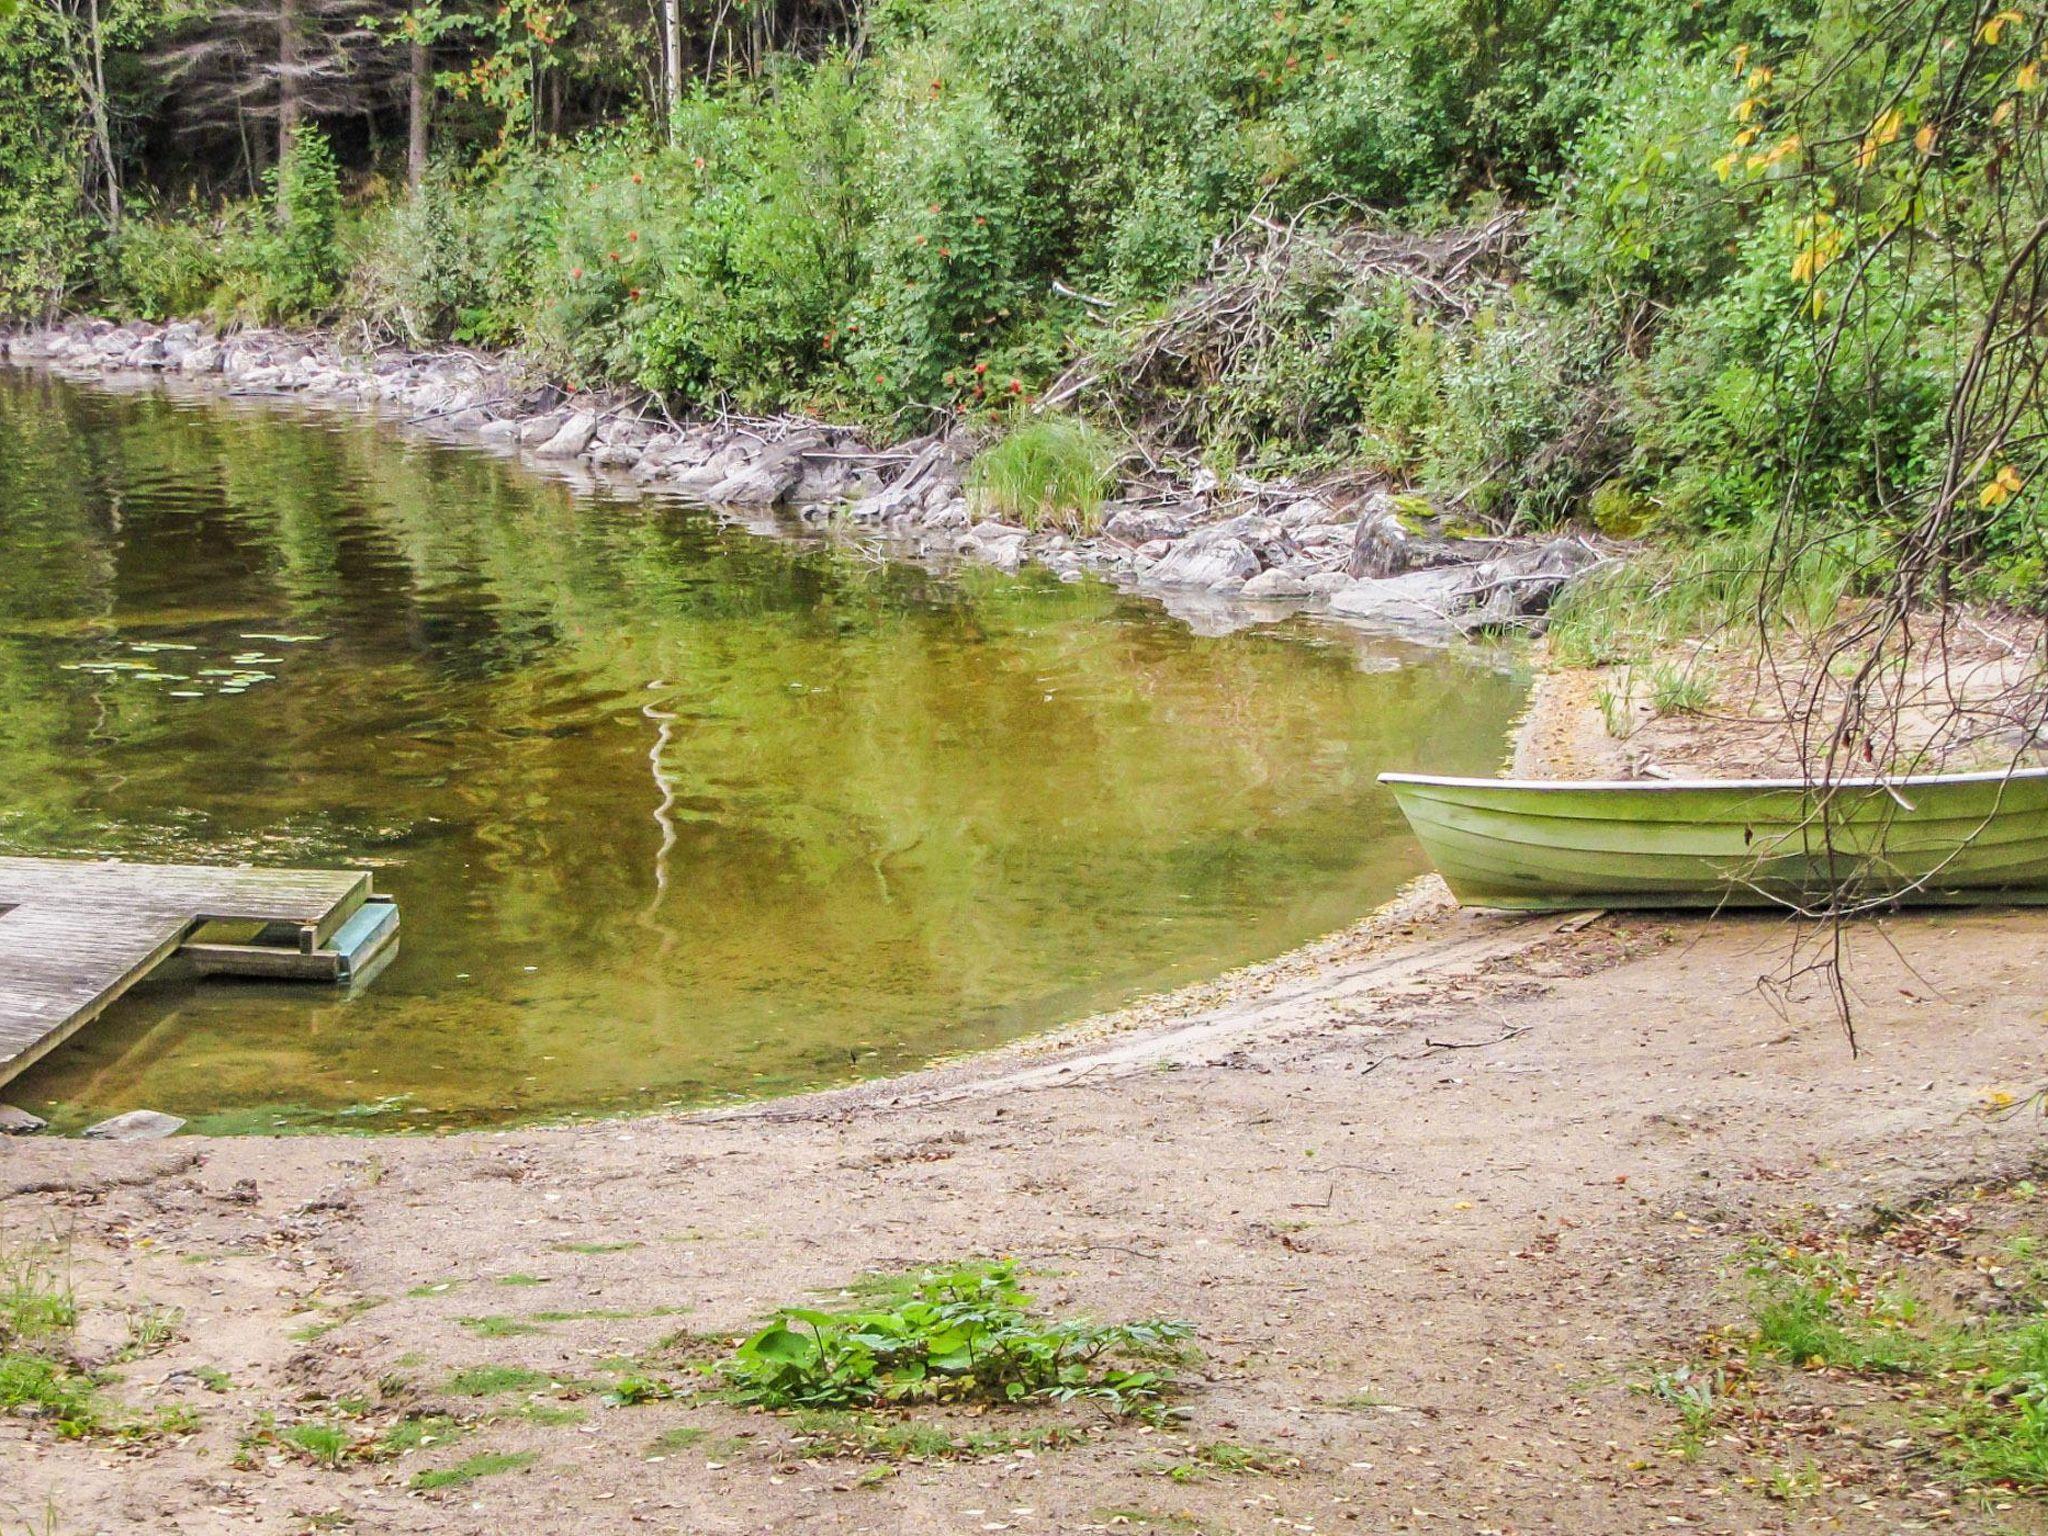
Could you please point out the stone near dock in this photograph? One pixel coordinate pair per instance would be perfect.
(136, 1125)
(19, 1122)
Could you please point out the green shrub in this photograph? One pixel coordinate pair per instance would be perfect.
(160, 268)
(770, 249)
(303, 266)
(965, 1335)
(946, 250)
(414, 271)
(1057, 469)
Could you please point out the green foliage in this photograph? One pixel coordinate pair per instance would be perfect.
(303, 259)
(1055, 469)
(965, 1335)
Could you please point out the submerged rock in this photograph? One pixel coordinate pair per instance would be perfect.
(136, 1125)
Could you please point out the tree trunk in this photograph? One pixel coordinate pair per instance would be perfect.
(101, 133)
(288, 45)
(416, 101)
(672, 40)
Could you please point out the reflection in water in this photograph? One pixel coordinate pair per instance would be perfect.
(673, 812)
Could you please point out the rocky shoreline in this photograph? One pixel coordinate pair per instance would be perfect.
(1218, 556)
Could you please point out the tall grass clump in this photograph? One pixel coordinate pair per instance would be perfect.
(1056, 470)
(1725, 581)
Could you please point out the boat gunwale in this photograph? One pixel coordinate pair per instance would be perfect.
(1753, 786)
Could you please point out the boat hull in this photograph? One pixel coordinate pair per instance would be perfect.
(1540, 846)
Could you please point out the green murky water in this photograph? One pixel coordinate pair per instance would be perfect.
(672, 812)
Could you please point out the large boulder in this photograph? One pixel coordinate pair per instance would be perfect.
(768, 480)
(1519, 585)
(571, 438)
(1210, 559)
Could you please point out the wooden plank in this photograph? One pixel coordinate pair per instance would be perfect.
(75, 934)
(54, 980)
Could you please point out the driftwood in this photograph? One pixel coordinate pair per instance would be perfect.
(1222, 324)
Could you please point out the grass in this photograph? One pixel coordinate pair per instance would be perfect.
(1056, 470)
(489, 1464)
(38, 1311)
(418, 1431)
(326, 1445)
(891, 1437)
(498, 1327)
(491, 1380)
(1959, 1368)
(596, 1247)
(1627, 613)
(1677, 692)
(1232, 1459)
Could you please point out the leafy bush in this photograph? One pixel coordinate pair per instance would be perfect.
(304, 259)
(946, 250)
(414, 273)
(964, 1335)
(160, 268)
(771, 251)
(1053, 470)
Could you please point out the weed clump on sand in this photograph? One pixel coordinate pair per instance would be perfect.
(967, 1335)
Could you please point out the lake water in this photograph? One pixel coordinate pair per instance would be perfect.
(674, 813)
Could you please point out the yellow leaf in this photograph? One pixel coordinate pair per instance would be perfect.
(2029, 76)
(1818, 302)
(1745, 109)
(1741, 57)
(2001, 488)
(2002, 114)
(1725, 166)
(1924, 139)
(1882, 132)
(1745, 138)
(1992, 30)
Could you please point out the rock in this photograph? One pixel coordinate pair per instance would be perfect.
(1323, 583)
(499, 432)
(540, 428)
(948, 514)
(1274, 583)
(1141, 525)
(571, 438)
(616, 456)
(1306, 513)
(1519, 585)
(996, 544)
(136, 1125)
(1380, 546)
(1419, 599)
(19, 1122)
(769, 480)
(1206, 560)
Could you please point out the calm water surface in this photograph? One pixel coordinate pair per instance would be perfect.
(672, 812)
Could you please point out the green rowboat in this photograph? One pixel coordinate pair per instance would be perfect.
(1549, 846)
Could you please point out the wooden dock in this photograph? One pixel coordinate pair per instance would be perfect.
(75, 935)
